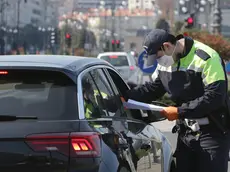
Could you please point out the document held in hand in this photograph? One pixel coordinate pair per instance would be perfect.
(132, 104)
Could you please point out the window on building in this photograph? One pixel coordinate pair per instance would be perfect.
(37, 12)
(34, 21)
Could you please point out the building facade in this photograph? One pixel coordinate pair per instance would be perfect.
(18, 13)
(141, 4)
(84, 5)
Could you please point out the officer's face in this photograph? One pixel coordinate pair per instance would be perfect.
(88, 94)
(166, 49)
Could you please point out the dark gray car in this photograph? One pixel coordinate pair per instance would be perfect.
(45, 126)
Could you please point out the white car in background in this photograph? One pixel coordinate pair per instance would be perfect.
(124, 62)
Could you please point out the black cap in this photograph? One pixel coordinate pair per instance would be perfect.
(154, 40)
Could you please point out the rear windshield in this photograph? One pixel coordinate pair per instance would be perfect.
(48, 95)
(116, 60)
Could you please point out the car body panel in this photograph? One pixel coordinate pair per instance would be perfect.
(139, 146)
(16, 154)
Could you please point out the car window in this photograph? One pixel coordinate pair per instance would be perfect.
(120, 88)
(45, 94)
(99, 99)
(116, 60)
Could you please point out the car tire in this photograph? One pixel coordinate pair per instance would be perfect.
(124, 169)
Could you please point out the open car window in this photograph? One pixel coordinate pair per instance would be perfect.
(120, 88)
(98, 95)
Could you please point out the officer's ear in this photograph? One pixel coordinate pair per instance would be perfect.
(166, 45)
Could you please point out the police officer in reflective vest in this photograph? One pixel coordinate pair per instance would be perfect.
(193, 75)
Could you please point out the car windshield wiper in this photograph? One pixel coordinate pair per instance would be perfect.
(14, 118)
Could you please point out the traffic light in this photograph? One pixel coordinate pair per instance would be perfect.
(189, 22)
(118, 44)
(107, 46)
(113, 45)
(68, 40)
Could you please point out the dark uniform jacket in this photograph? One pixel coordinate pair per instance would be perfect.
(196, 83)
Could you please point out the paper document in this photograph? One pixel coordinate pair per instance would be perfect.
(132, 104)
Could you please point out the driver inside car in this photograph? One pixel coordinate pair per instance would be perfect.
(94, 100)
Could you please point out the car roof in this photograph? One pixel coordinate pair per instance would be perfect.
(112, 53)
(71, 63)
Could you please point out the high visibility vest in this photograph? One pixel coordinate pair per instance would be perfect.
(89, 108)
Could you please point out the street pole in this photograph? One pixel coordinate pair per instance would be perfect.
(216, 25)
(113, 22)
(120, 24)
(207, 17)
(3, 6)
(18, 18)
(105, 25)
(195, 12)
(2, 10)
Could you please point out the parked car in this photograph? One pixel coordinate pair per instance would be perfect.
(44, 127)
(124, 62)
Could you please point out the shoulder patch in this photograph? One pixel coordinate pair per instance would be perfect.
(202, 54)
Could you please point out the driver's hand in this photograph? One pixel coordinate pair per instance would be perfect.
(122, 99)
(171, 113)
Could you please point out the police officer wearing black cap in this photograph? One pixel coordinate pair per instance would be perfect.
(193, 75)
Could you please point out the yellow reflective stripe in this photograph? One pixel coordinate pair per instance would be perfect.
(213, 70)
(97, 126)
(194, 68)
(88, 111)
(173, 69)
(96, 93)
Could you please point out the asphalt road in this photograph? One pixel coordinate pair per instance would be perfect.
(165, 127)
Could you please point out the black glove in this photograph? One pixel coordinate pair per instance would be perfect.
(131, 85)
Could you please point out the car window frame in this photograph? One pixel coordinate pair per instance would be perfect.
(80, 76)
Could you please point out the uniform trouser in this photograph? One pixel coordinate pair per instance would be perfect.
(208, 153)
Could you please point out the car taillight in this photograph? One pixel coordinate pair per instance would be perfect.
(131, 67)
(3, 72)
(113, 57)
(85, 144)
